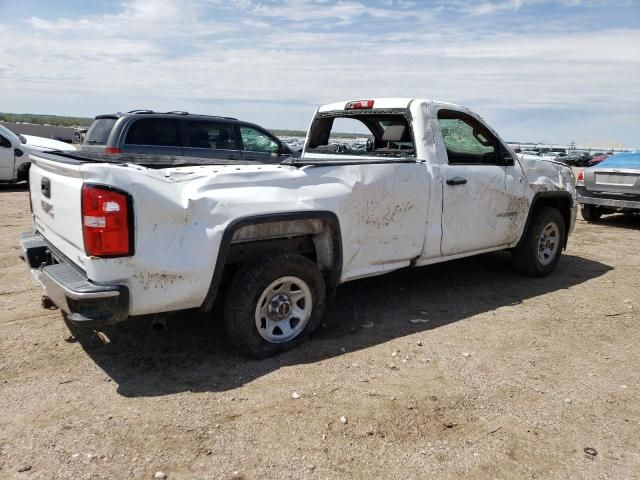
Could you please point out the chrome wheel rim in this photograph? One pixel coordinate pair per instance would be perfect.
(283, 309)
(549, 243)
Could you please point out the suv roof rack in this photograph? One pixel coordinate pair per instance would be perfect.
(207, 116)
(174, 112)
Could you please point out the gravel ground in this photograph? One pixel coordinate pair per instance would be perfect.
(459, 370)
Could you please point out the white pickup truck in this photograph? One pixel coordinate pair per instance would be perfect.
(414, 182)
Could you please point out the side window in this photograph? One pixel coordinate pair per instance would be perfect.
(203, 134)
(154, 131)
(256, 141)
(4, 142)
(467, 140)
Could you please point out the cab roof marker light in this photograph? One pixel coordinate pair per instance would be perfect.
(359, 105)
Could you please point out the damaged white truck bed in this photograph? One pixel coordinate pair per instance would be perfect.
(119, 236)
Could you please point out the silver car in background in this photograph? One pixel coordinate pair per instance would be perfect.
(611, 186)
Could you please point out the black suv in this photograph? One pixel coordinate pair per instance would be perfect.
(183, 134)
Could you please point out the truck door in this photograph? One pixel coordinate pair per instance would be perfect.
(483, 187)
(7, 159)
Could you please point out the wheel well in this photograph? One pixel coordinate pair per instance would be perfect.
(315, 237)
(562, 203)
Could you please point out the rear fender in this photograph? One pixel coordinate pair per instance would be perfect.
(328, 243)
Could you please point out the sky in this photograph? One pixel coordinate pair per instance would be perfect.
(536, 70)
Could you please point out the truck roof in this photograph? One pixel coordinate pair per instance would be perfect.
(385, 103)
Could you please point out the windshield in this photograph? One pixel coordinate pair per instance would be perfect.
(372, 134)
(99, 132)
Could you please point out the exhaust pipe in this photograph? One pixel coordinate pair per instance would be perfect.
(47, 303)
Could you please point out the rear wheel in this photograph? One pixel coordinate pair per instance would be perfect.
(274, 303)
(591, 213)
(539, 251)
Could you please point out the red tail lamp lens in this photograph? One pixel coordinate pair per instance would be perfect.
(105, 222)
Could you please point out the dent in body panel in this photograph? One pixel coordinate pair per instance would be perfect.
(548, 176)
(181, 215)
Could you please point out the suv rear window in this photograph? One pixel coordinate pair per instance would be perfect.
(162, 132)
(369, 134)
(99, 132)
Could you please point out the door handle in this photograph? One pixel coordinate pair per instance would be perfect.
(233, 157)
(456, 181)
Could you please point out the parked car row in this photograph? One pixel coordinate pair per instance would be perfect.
(578, 158)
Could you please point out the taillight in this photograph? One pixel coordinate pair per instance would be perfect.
(112, 150)
(106, 222)
(580, 179)
(359, 105)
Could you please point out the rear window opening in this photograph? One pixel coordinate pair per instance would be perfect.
(98, 133)
(362, 133)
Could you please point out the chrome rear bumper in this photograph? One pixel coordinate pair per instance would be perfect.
(84, 302)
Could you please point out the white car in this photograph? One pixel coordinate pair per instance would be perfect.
(15, 150)
(119, 236)
(44, 144)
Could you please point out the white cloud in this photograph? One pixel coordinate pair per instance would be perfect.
(492, 7)
(182, 55)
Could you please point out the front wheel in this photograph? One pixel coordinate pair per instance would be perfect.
(540, 249)
(591, 213)
(274, 303)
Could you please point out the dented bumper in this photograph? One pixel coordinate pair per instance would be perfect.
(85, 303)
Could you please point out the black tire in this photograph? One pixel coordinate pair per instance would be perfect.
(23, 172)
(526, 257)
(591, 213)
(247, 287)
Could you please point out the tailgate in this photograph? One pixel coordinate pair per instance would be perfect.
(55, 188)
(612, 180)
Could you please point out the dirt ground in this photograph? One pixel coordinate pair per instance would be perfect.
(497, 376)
